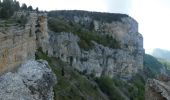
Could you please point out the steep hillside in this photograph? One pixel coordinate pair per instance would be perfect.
(157, 75)
(163, 56)
(152, 66)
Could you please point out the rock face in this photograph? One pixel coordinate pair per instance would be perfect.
(32, 81)
(101, 60)
(19, 44)
(16, 47)
(42, 35)
(157, 90)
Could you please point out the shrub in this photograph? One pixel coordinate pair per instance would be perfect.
(58, 25)
(22, 20)
(107, 86)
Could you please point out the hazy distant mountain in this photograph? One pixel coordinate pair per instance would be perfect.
(160, 53)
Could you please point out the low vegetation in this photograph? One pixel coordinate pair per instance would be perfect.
(107, 85)
(166, 64)
(152, 66)
(117, 89)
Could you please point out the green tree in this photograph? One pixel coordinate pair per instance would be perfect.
(7, 9)
(0, 7)
(16, 5)
(30, 8)
(37, 10)
(24, 6)
(23, 20)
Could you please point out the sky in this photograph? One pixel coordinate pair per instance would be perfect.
(153, 16)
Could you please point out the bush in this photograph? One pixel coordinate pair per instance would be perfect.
(58, 25)
(117, 89)
(22, 20)
(151, 66)
(107, 86)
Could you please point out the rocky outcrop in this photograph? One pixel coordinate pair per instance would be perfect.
(32, 81)
(101, 60)
(42, 35)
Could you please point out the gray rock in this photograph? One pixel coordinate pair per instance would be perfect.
(100, 60)
(157, 90)
(33, 81)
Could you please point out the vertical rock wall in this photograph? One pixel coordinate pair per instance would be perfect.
(101, 60)
(18, 44)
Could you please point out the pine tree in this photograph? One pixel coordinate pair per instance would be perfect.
(7, 9)
(30, 8)
(24, 6)
(16, 5)
(37, 10)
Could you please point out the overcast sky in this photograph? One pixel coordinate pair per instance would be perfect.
(153, 16)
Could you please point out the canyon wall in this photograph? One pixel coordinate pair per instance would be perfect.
(124, 61)
(19, 43)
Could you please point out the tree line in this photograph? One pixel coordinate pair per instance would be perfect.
(8, 7)
(104, 17)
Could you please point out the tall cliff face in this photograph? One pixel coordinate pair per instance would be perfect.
(96, 44)
(123, 59)
(19, 43)
(115, 48)
(19, 39)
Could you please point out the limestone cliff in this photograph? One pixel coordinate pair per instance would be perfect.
(19, 43)
(33, 80)
(123, 60)
(123, 56)
(95, 44)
